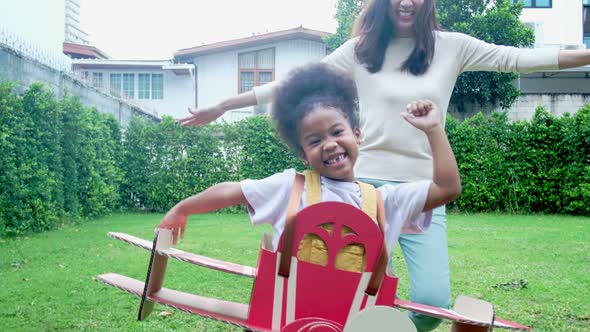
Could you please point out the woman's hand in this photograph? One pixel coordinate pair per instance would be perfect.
(422, 114)
(202, 116)
(176, 221)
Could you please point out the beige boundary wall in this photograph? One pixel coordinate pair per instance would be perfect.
(524, 108)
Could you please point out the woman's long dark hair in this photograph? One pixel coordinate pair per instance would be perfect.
(375, 30)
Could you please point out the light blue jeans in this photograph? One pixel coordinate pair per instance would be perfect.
(427, 260)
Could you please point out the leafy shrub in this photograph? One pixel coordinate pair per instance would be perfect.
(61, 161)
(58, 160)
(540, 165)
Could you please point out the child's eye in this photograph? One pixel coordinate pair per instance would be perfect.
(338, 132)
(314, 142)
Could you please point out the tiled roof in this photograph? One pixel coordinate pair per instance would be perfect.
(296, 33)
(85, 51)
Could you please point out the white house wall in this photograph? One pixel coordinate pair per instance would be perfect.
(179, 94)
(178, 90)
(561, 25)
(296, 53)
(218, 73)
(556, 104)
(217, 78)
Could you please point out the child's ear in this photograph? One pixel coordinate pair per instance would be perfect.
(357, 134)
(303, 158)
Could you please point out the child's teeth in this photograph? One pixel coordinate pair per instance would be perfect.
(335, 160)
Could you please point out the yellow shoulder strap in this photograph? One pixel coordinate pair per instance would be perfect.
(312, 249)
(369, 200)
(313, 188)
(313, 191)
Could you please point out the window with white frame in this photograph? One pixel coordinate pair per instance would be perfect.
(97, 80)
(143, 86)
(536, 3)
(157, 86)
(115, 80)
(129, 85)
(255, 68)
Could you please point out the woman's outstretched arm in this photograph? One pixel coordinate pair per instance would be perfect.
(203, 116)
(574, 58)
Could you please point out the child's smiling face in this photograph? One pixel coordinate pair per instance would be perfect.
(329, 143)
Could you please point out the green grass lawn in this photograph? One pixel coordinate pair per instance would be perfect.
(47, 280)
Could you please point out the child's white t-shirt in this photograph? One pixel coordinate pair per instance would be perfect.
(268, 199)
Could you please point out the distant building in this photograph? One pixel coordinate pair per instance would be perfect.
(32, 46)
(158, 86)
(231, 67)
(73, 32)
(76, 44)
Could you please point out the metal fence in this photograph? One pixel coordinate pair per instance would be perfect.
(20, 45)
(61, 63)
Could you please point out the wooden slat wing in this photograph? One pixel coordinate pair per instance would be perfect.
(454, 316)
(184, 256)
(226, 311)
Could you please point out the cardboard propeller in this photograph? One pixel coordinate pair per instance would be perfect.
(312, 297)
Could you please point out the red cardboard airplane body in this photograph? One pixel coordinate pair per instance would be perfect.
(292, 295)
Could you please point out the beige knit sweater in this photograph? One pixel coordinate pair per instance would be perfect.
(391, 148)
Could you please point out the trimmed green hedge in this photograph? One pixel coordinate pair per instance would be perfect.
(542, 165)
(61, 161)
(165, 162)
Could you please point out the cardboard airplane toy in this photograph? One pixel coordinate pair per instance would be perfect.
(290, 294)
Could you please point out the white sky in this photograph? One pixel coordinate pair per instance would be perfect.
(155, 29)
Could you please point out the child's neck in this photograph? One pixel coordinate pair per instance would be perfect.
(351, 179)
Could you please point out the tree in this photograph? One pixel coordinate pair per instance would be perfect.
(494, 21)
(346, 12)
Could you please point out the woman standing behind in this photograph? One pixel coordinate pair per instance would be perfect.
(399, 54)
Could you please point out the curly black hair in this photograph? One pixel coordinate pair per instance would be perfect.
(306, 89)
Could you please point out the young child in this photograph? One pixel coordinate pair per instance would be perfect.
(314, 110)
